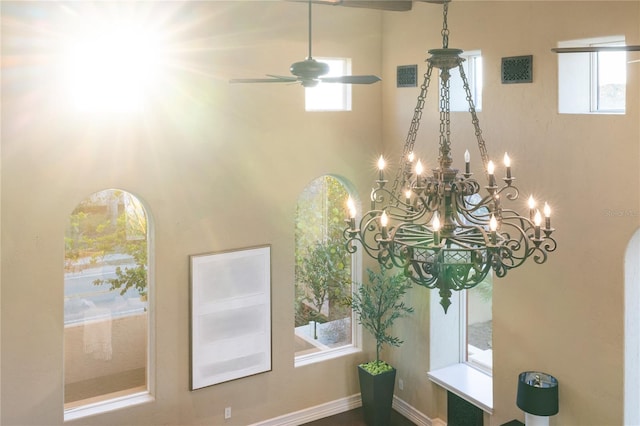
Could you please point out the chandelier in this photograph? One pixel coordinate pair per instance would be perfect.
(440, 229)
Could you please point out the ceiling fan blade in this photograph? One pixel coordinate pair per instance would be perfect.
(351, 79)
(392, 5)
(274, 79)
(283, 77)
(592, 49)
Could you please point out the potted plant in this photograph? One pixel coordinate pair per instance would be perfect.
(377, 306)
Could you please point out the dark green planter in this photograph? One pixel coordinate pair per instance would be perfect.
(377, 396)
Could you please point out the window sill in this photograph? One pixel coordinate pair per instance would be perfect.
(466, 382)
(91, 409)
(303, 360)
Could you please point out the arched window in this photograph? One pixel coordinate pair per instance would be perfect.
(106, 303)
(324, 273)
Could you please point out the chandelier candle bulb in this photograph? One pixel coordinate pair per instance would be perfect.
(537, 219)
(384, 221)
(467, 162)
(532, 207)
(507, 164)
(493, 226)
(352, 213)
(436, 229)
(407, 195)
(491, 169)
(419, 170)
(381, 165)
(547, 216)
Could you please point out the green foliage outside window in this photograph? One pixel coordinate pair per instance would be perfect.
(322, 264)
(110, 223)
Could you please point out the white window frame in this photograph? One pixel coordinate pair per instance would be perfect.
(472, 65)
(330, 96)
(578, 77)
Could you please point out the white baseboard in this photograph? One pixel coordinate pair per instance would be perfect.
(411, 413)
(314, 413)
(345, 404)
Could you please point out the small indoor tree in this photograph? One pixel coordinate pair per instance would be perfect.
(378, 305)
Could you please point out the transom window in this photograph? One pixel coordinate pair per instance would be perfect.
(324, 274)
(592, 83)
(106, 308)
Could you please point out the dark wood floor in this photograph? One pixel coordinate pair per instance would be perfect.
(355, 418)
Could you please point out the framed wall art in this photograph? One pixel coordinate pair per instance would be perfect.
(230, 302)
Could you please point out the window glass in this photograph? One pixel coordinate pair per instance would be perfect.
(473, 71)
(323, 270)
(106, 310)
(610, 80)
(479, 352)
(330, 96)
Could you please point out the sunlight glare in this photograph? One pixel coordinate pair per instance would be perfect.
(112, 69)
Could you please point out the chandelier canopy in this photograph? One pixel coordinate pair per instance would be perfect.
(440, 229)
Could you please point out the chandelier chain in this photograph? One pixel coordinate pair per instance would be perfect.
(482, 147)
(445, 27)
(413, 131)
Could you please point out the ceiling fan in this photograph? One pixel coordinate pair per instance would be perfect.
(310, 72)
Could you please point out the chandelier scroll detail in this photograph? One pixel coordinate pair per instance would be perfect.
(440, 229)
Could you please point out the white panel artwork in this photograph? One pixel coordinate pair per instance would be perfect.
(230, 315)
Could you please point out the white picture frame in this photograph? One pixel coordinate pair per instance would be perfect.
(230, 305)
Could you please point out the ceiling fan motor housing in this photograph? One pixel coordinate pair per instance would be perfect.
(309, 69)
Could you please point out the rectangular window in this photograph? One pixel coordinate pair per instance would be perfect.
(473, 71)
(330, 96)
(592, 82)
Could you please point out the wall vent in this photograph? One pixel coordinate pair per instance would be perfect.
(407, 76)
(517, 69)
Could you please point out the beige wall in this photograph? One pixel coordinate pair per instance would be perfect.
(566, 316)
(220, 166)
